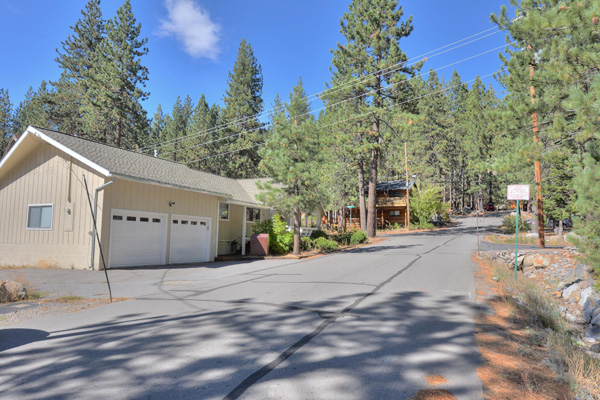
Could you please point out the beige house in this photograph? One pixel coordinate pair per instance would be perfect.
(149, 211)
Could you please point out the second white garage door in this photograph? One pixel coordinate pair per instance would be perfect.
(137, 238)
(190, 239)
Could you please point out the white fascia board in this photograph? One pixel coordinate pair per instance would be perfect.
(67, 150)
(251, 205)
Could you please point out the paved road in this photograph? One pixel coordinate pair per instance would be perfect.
(371, 323)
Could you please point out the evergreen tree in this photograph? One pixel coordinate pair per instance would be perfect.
(32, 110)
(204, 138)
(117, 85)
(68, 98)
(6, 119)
(243, 102)
(373, 30)
(175, 130)
(291, 157)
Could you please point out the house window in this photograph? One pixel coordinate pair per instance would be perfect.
(39, 216)
(252, 214)
(395, 213)
(224, 211)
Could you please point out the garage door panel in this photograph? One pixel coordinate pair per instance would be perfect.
(190, 238)
(137, 238)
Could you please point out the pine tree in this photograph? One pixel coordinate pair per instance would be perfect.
(373, 30)
(32, 110)
(290, 158)
(243, 102)
(175, 130)
(67, 100)
(6, 119)
(204, 138)
(116, 88)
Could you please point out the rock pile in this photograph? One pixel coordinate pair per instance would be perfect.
(571, 282)
(12, 291)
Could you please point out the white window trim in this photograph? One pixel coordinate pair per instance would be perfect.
(51, 217)
(254, 221)
(228, 211)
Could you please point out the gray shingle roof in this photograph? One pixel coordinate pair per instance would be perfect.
(130, 164)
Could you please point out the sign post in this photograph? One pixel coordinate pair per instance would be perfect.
(517, 192)
(350, 208)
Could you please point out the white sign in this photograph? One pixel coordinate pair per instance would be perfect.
(517, 192)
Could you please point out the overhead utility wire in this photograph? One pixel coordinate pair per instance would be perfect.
(357, 116)
(333, 105)
(315, 95)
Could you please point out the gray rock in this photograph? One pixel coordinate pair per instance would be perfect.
(587, 310)
(569, 291)
(528, 261)
(595, 348)
(580, 271)
(570, 317)
(12, 291)
(596, 320)
(585, 294)
(592, 334)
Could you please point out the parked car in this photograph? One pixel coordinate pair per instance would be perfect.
(489, 207)
(502, 207)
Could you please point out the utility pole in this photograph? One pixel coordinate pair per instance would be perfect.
(538, 169)
(407, 184)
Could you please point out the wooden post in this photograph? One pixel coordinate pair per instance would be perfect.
(538, 169)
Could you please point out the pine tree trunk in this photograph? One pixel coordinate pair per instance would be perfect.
(296, 231)
(372, 208)
(361, 194)
(343, 218)
(119, 131)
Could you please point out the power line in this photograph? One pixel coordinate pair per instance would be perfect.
(355, 116)
(336, 104)
(362, 78)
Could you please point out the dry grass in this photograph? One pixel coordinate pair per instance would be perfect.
(510, 239)
(32, 292)
(582, 370)
(433, 394)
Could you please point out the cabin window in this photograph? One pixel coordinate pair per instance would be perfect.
(252, 214)
(395, 213)
(39, 216)
(224, 211)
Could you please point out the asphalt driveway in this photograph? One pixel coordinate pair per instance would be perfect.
(372, 323)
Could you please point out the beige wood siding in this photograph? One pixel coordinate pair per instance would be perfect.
(42, 177)
(130, 195)
(231, 229)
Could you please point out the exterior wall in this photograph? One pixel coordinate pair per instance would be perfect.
(130, 195)
(231, 229)
(42, 177)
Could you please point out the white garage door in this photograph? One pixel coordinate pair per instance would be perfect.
(137, 238)
(190, 239)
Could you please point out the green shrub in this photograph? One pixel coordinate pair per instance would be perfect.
(306, 243)
(318, 233)
(342, 238)
(265, 226)
(280, 240)
(358, 237)
(325, 244)
(509, 222)
(425, 202)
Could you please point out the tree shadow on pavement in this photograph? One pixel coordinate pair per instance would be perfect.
(380, 348)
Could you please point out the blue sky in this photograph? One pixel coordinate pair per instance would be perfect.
(193, 43)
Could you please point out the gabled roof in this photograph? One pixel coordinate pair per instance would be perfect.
(112, 161)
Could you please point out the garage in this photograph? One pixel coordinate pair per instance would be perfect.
(190, 239)
(137, 238)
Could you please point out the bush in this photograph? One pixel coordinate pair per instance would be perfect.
(325, 244)
(509, 222)
(358, 237)
(280, 240)
(425, 202)
(342, 238)
(306, 243)
(265, 226)
(317, 234)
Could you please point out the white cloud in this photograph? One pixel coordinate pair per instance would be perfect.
(190, 24)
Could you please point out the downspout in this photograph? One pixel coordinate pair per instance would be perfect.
(98, 189)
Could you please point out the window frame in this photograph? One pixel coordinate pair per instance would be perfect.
(395, 211)
(254, 220)
(29, 206)
(220, 212)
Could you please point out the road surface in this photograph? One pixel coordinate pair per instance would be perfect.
(372, 323)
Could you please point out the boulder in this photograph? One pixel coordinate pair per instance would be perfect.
(12, 291)
(588, 309)
(585, 294)
(595, 348)
(528, 260)
(592, 334)
(541, 261)
(570, 290)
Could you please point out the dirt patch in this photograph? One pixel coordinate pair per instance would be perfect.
(435, 380)
(433, 394)
(26, 310)
(513, 366)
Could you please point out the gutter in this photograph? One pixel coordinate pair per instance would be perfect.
(98, 189)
